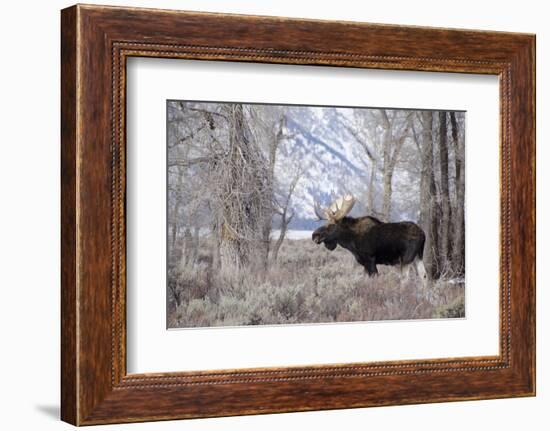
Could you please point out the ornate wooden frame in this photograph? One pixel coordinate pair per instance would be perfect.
(95, 43)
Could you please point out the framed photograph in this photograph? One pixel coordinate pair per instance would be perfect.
(263, 214)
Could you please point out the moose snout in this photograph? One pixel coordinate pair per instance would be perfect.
(316, 237)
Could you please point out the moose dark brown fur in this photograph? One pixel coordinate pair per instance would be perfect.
(371, 241)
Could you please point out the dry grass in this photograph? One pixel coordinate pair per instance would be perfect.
(308, 285)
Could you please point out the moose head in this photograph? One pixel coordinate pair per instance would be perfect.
(333, 215)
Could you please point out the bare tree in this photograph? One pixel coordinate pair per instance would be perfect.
(243, 196)
(286, 214)
(185, 128)
(445, 238)
(428, 194)
(268, 125)
(396, 131)
(364, 129)
(458, 230)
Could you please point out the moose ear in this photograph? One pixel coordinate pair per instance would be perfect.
(331, 245)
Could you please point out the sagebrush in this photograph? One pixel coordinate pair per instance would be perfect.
(307, 284)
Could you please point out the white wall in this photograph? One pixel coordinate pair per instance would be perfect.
(29, 215)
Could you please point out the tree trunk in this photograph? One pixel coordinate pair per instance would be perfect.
(370, 193)
(273, 148)
(215, 247)
(286, 215)
(196, 245)
(445, 248)
(428, 198)
(245, 203)
(233, 247)
(387, 168)
(186, 248)
(394, 138)
(285, 221)
(386, 206)
(173, 219)
(458, 231)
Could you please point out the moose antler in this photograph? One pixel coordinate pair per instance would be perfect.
(337, 210)
(341, 207)
(320, 213)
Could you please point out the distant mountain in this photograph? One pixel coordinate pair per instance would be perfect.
(327, 157)
(331, 162)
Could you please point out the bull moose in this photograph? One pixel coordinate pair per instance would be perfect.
(371, 241)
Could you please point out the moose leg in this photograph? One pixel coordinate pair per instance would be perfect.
(370, 266)
(408, 271)
(404, 274)
(421, 271)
